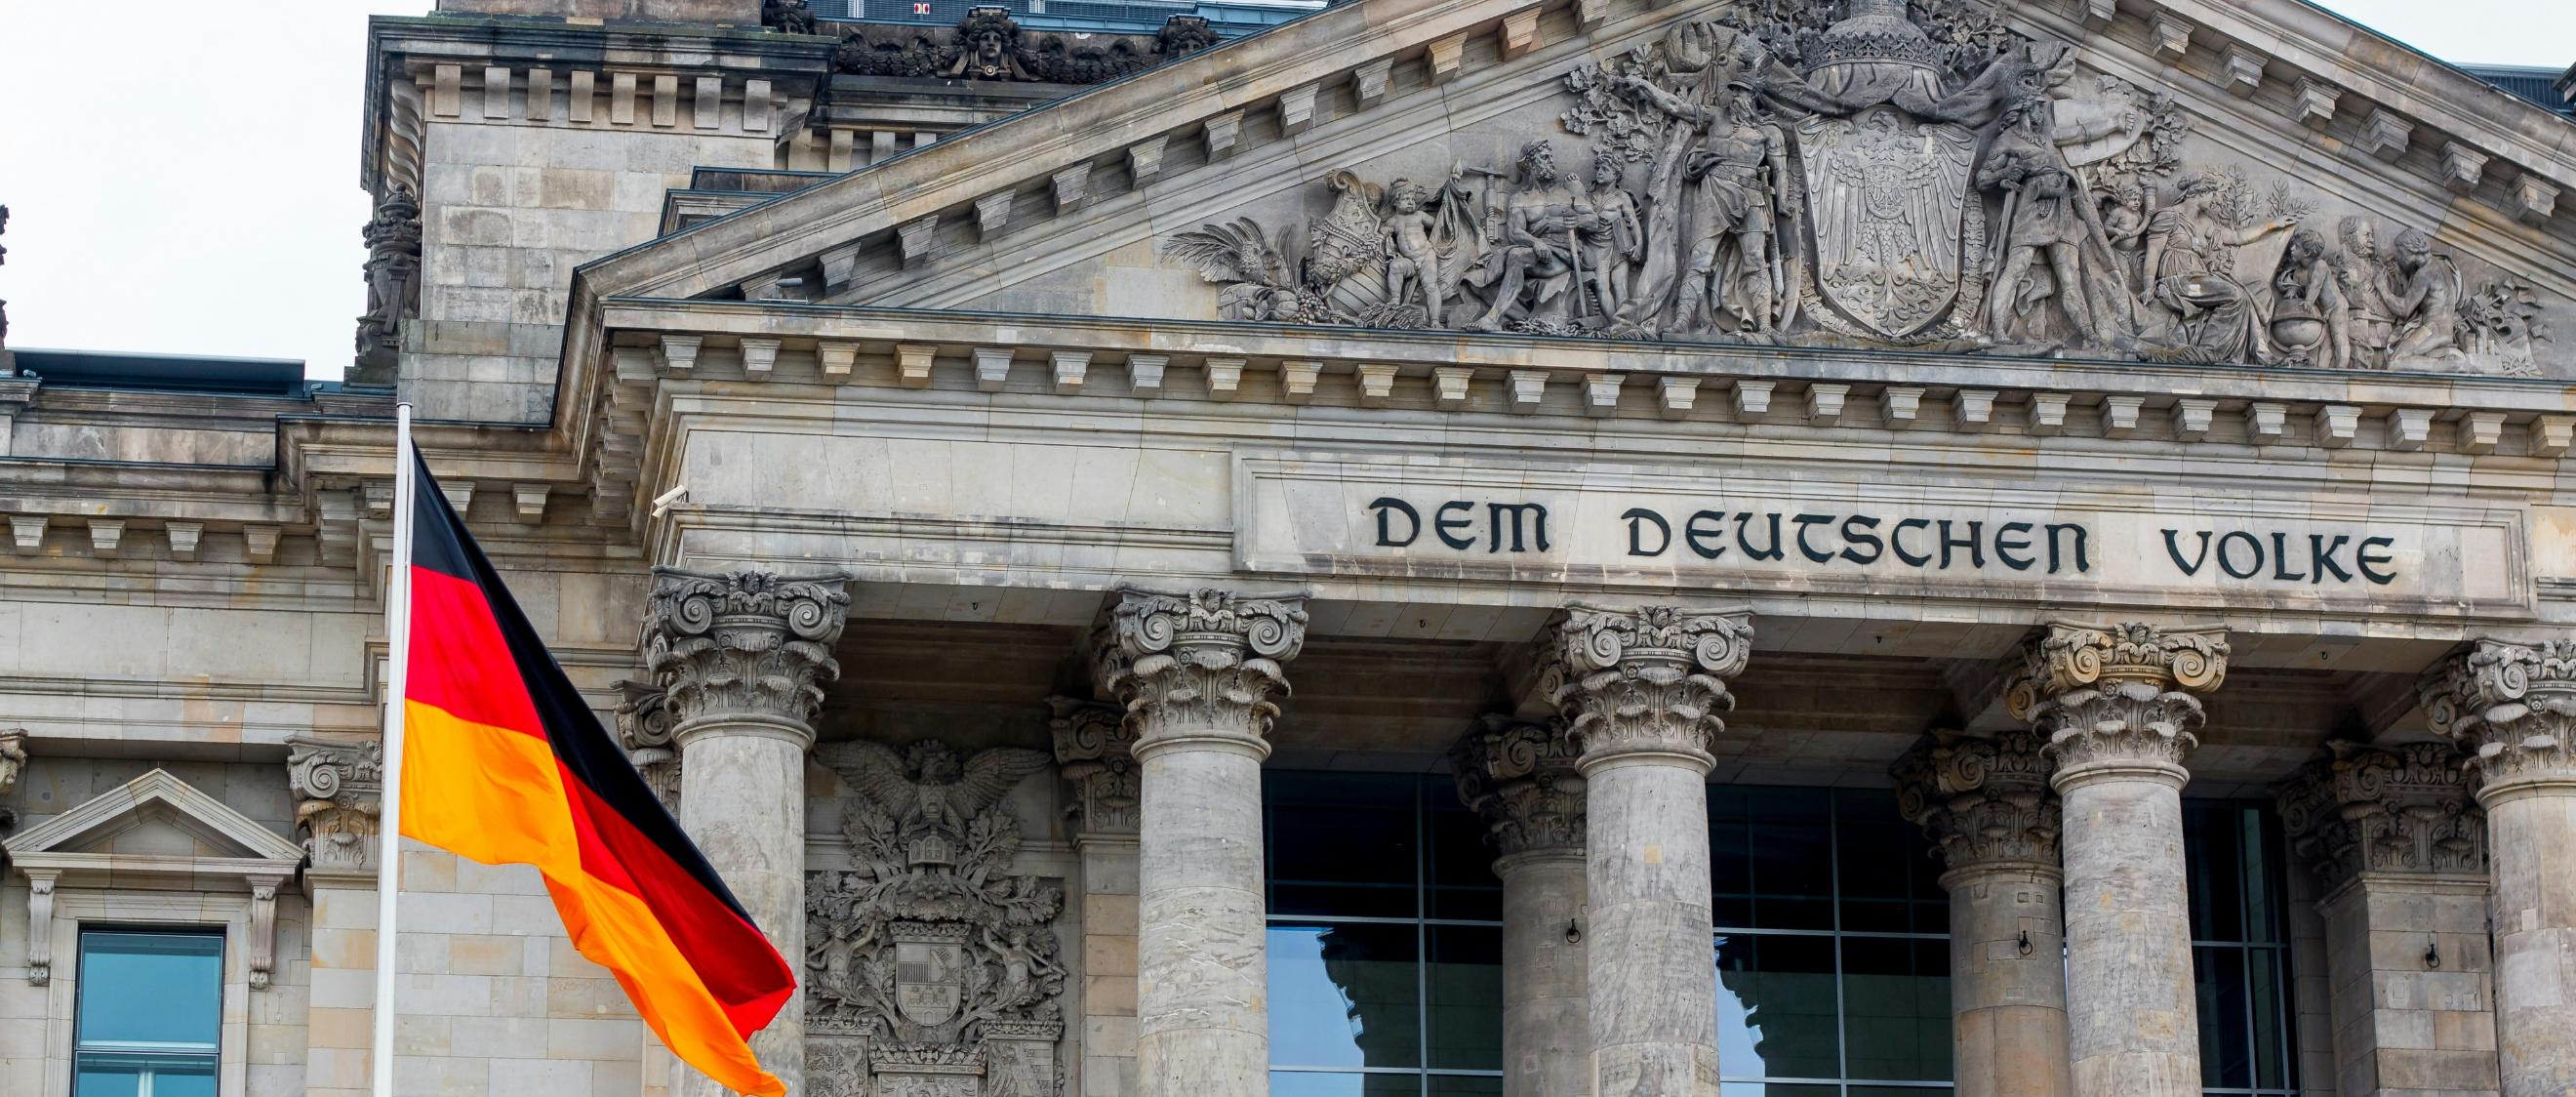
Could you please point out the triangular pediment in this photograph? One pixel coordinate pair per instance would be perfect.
(153, 821)
(1850, 203)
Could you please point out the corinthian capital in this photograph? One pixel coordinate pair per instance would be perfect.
(644, 727)
(1521, 778)
(339, 786)
(1198, 666)
(2118, 696)
(1095, 749)
(743, 643)
(1645, 680)
(1983, 802)
(2512, 707)
(2403, 809)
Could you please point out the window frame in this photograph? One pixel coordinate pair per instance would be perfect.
(212, 1055)
(79, 909)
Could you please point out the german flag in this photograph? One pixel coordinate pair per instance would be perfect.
(503, 763)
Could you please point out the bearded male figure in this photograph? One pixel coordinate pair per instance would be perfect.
(1546, 226)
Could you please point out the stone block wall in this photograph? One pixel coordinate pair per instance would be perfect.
(2405, 1027)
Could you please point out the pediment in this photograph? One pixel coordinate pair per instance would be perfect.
(2086, 178)
(155, 822)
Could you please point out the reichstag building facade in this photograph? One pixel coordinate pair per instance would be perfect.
(1547, 548)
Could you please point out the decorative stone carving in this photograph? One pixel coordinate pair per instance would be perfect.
(1520, 777)
(5, 369)
(40, 924)
(644, 727)
(1982, 801)
(743, 641)
(787, 16)
(1875, 173)
(1651, 679)
(339, 787)
(2511, 706)
(988, 44)
(2367, 809)
(1094, 749)
(929, 961)
(393, 285)
(2117, 693)
(1196, 664)
(13, 761)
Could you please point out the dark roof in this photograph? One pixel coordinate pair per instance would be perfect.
(2536, 84)
(1228, 20)
(166, 372)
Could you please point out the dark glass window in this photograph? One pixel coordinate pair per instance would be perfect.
(2240, 959)
(1385, 939)
(149, 1018)
(1833, 952)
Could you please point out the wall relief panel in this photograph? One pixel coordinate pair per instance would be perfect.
(1869, 173)
(932, 969)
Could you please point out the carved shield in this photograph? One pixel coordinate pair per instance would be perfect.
(1889, 193)
(929, 980)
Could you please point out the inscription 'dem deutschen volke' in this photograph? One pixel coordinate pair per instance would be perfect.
(1826, 539)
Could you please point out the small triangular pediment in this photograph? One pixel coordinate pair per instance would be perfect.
(2238, 177)
(153, 820)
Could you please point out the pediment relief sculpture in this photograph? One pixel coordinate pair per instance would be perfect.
(931, 967)
(1876, 173)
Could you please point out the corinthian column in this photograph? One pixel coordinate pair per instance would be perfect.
(2118, 707)
(2400, 855)
(1196, 673)
(741, 658)
(2513, 707)
(1987, 806)
(1521, 778)
(1642, 689)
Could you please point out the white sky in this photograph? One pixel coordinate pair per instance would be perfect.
(190, 183)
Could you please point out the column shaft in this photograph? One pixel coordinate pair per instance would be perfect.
(1546, 1005)
(741, 657)
(1642, 689)
(1196, 673)
(2117, 702)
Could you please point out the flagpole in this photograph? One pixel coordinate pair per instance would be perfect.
(389, 827)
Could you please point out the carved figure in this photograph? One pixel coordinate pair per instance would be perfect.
(1254, 276)
(1185, 34)
(990, 46)
(1616, 250)
(393, 284)
(2425, 302)
(1740, 169)
(2365, 278)
(787, 16)
(2191, 261)
(2123, 213)
(1412, 260)
(2311, 323)
(2047, 216)
(1540, 260)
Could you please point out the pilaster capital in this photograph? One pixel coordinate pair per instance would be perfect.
(1983, 802)
(746, 644)
(339, 787)
(1095, 747)
(2513, 708)
(13, 756)
(1199, 667)
(2117, 699)
(2402, 809)
(1643, 681)
(1521, 778)
(646, 727)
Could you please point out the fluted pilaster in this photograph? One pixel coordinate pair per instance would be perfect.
(1642, 689)
(1520, 777)
(2119, 705)
(1198, 675)
(2513, 708)
(740, 659)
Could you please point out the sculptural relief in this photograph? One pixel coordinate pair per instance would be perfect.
(988, 44)
(930, 967)
(1888, 173)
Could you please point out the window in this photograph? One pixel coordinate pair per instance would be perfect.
(2240, 948)
(1833, 950)
(150, 1013)
(1385, 939)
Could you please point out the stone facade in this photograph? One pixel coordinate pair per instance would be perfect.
(2075, 412)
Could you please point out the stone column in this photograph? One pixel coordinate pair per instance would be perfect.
(1642, 690)
(2117, 704)
(741, 659)
(2399, 852)
(1986, 804)
(2513, 707)
(1196, 673)
(1095, 750)
(1522, 779)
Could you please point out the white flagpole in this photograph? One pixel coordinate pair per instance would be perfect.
(389, 826)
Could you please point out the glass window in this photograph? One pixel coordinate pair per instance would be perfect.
(1833, 952)
(149, 1017)
(2240, 959)
(1385, 939)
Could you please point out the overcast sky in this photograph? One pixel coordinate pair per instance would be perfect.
(189, 183)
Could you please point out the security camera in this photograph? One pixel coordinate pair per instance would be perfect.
(662, 503)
